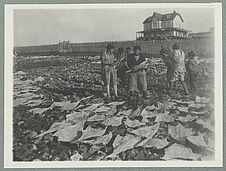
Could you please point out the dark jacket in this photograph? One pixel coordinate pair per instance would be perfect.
(131, 60)
(192, 66)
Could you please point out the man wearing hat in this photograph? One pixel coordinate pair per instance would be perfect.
(192, 68)
(108, 70)
(137, 76)
(165, 55)
(121, 68)
(178, 58)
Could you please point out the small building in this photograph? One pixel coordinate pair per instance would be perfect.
(64, 46)
(161, 26)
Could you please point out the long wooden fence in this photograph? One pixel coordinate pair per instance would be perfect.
(203, 47)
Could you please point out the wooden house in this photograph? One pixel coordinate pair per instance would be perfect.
(163, 26)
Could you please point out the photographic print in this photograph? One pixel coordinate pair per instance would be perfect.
(131, 84)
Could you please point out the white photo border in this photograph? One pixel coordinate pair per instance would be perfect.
(8, 92)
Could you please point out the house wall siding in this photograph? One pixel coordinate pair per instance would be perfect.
(177, 22)
(167, 24)
(147, 26)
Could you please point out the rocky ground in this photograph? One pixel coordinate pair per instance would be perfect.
(60, 113)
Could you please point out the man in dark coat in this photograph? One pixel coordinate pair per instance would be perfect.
(165, 54)
(123, 67)
(137, 76)
(192, 68)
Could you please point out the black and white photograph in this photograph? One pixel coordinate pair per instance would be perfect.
(131, 84)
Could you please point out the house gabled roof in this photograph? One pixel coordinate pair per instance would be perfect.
(157, 15)
(147, 20)
(162, 17)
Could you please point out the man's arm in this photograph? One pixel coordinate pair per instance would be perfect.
(145, 60)
(129, 62)
(103, 58)
(142, 65)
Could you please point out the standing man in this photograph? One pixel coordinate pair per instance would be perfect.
(165, 54)
(121, 72)
(178, 58)
(137, 76)
(123, 67)
(192, 68)
(109, 71)
(129, 51)
(120, 52)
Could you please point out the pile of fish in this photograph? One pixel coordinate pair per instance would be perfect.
(87, 128)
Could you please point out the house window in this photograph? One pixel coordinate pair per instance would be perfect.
(146, 26)
(155, 24)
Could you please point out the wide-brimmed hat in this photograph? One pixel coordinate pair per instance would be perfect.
(109, 47)
(191, 54)
(136, 48)
(176, 46)
(128, 48)
(120, 49)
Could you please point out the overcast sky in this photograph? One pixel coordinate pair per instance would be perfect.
(38, 27)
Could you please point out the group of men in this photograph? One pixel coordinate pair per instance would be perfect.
(130, 67)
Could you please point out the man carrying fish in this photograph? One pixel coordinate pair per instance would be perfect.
(178, 59)
(137, 74)
(109, 71)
